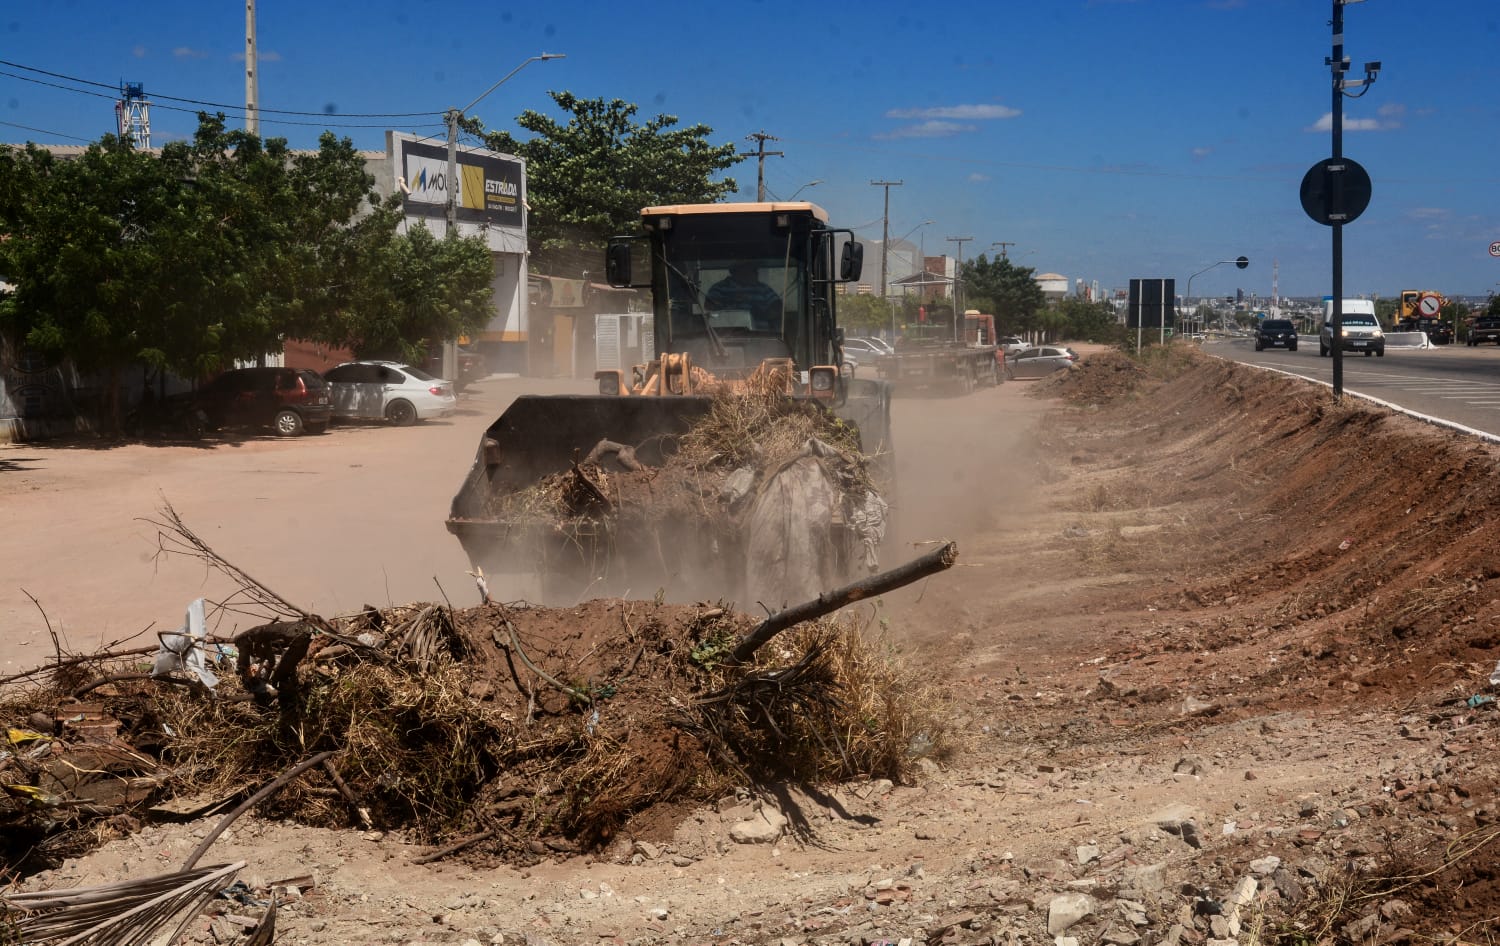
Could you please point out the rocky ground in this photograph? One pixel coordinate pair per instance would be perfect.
(1222, 676)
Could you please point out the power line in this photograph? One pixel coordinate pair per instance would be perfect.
(174, 98)
(236, 111)
(43, 131)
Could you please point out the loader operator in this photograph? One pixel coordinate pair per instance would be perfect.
(742, 289)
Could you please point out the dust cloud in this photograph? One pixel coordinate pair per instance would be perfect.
(959, 463)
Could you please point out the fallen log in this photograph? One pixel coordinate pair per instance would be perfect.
(830, 601)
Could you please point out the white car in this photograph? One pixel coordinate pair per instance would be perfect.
(388, 390)
(866, 349)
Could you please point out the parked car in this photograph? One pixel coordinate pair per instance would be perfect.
(866, 349)
(388, 390)
(1486, 328)
(1011, 344)
(289, 401)
(1041, 361)
(1276, 333)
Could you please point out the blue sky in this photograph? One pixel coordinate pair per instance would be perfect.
(1105, 139)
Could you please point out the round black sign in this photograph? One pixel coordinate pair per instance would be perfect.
(1335, 191)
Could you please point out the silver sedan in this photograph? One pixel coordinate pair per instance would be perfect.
(1041, 361)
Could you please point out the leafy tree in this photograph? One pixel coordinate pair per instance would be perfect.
(217, 250)
(1387, 311)
(84, 253)
(1011, 289)
(427, 288)
(588, 179)
(1092, 321)
(867, 313)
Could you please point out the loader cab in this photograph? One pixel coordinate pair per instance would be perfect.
(736, 284)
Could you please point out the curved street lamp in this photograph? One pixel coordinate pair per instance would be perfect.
(804, 187)
(452, 116)
(1240, 262)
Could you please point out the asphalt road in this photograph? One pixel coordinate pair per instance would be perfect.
(1452, 382)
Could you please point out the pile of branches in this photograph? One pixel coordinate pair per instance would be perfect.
(501, 729)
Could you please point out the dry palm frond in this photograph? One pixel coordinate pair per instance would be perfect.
(128, 913)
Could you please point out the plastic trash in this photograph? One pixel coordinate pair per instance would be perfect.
(1495, 676)
(183, 650)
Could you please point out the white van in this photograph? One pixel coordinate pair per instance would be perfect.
(1361, 329)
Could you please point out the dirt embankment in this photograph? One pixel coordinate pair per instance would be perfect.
(1221, 674)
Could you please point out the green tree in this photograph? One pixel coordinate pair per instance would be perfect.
(85, 253)
(1089, 321)
(414, 288)
(217, 250)
(1011, 289)
(866, 313)
(588, 179)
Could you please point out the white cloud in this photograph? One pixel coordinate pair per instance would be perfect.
(932, 129)
(1393, 110)
(1430, 213)
(187, 52)
(138, 52)
(1353, 124)
(265, 55)
(970, 112)
(978, 178)
(1202, 152)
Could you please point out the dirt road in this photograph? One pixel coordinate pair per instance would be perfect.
(330, 522)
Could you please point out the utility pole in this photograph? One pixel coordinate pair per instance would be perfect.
(958, 285)
(885, 241)
(760, 154)
(252, 81)
(1002, 244)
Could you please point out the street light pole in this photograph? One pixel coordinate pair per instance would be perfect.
(1187, 297)
(958, 285)
(452, 117)
(803, 188)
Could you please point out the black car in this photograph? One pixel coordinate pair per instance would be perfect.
(1276, 333)
(288, 401)
(1486, 328)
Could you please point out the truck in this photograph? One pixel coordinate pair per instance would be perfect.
(755, 532)
(1421, 310)
(932, 356)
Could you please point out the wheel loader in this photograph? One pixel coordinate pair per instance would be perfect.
(744, 300)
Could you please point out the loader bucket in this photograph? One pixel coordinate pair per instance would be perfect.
(538, 436)
(632, 551)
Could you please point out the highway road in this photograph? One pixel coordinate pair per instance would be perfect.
(1452, 382)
